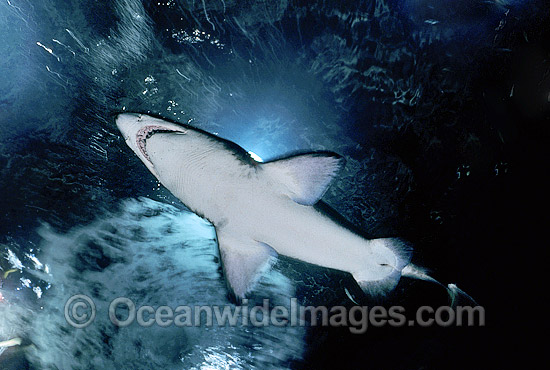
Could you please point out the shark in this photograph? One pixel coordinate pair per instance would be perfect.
(261, 210)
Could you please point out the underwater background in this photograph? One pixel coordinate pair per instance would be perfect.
(441, 109)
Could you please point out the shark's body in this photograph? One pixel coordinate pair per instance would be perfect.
(260, 210)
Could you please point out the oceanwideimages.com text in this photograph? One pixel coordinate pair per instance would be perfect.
(80, 312)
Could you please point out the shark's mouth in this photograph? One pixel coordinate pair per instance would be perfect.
(146, 132)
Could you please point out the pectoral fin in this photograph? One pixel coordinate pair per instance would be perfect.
(243, 262)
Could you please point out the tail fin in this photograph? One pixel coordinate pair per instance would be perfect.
(402, 254)
(456, 295)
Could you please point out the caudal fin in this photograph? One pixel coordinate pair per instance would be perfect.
(456, 295)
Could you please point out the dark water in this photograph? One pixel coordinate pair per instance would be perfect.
(441, 109)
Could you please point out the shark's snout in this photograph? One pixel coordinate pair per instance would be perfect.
(131, 125)
(128, 116)
(136, 128)
(136, 115)
(128, 124)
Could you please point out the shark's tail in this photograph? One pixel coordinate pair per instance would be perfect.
(456, 295)
(402, 254)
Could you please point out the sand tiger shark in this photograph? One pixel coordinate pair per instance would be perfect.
(261, 210)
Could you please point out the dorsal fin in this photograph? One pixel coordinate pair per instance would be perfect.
(306, 177)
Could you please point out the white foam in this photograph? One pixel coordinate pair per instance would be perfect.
(155, 255)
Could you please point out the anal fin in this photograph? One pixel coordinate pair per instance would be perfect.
(243, 262)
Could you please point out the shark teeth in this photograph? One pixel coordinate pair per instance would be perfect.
(146, 132)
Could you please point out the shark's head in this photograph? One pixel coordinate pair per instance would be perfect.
(136, 128)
